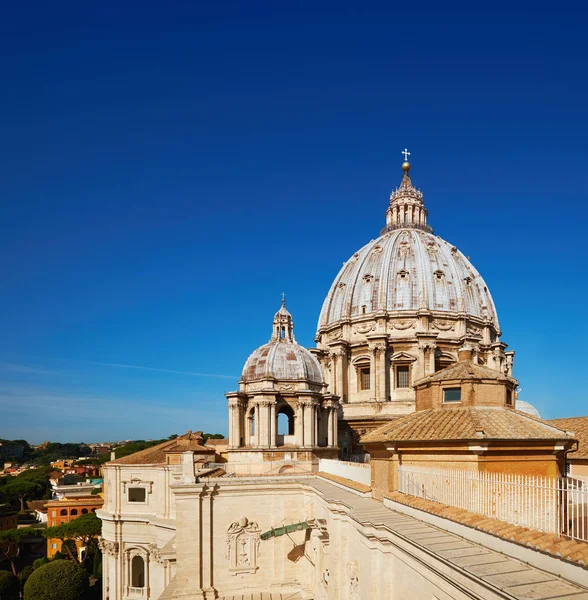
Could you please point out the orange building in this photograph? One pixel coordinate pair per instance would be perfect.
(64, 511)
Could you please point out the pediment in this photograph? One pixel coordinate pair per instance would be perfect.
(402, 356)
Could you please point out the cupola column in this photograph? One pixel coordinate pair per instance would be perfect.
(264, 423)
(309, 421)
(378, 345)
(340, 367)
(299, 425)
(236, 433)
(273, 426)
(330, 427)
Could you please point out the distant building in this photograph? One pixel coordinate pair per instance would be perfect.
(38, 506)
(66, 510)
(220, 447)
(63, 463)
(100, 450)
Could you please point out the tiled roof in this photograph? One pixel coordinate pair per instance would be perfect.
(565, 548)
(156, 455)
(215, 442)
(463, 371)
(579, 427)
(466, 423)
(37, 505)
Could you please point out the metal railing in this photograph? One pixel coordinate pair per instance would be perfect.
(551, 504)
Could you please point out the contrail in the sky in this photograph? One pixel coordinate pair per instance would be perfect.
(105, 364)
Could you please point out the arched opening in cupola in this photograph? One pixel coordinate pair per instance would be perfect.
(285, 418)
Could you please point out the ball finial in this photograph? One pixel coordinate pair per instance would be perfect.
(406, 164)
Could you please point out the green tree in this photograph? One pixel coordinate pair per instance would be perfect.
(23, 576)
(58, 580)
(86, 529)
(39, 562)
(32, 484)
(97, 565)
(9, 586)
(15, 536)
(25, 490)
(213, 436)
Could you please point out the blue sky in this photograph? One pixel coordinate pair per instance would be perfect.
(168, 169)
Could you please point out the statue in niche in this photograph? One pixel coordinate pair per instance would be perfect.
(243, 546)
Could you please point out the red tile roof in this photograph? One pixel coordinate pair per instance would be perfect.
(464, 371)
(156, 455)
(466, 423)
(579, 427)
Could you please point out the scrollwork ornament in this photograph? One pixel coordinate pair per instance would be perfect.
(155, 553)
(334, 335)
(108, 547)
(363, 328)
(443, 325)
(402, 324)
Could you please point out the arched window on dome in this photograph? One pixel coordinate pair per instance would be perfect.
(283, 334)
(285, 420)
(443, 360)
(363, 373)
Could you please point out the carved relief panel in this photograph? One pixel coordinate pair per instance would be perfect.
(243, 546)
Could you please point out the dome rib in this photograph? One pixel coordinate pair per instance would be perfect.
(422, 257)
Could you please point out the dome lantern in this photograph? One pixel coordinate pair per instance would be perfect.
(283, 325)
(406, 210)
(282, 358)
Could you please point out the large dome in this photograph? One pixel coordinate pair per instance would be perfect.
(282, 358)
(407, 270)
(283, 361)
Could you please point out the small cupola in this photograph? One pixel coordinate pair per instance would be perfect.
(283, 325)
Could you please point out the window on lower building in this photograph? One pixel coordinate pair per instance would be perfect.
(53, 546)
(137, 572)
(402, 379)
(364, 378)
(509, 397)
(137, 494)
(452, 395)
